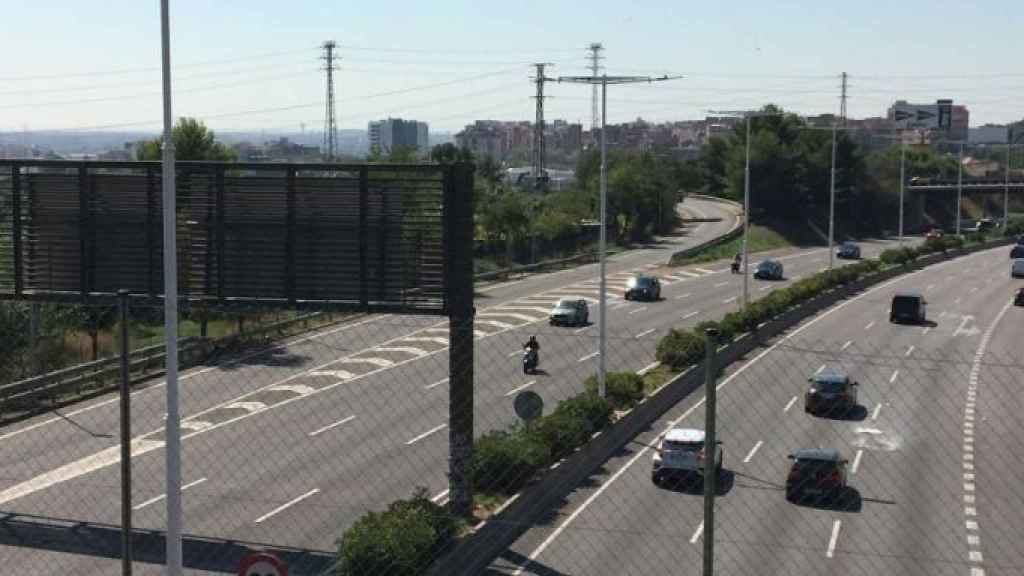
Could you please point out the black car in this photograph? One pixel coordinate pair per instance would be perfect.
(1017, 252)
(908, 307)
(817, 472)
(643, 288)
(1018, 300)
(832, 392)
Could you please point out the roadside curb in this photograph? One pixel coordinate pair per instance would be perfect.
(525, 509)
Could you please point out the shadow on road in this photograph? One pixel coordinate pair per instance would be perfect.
(856, 414)
(846, 500)
(148, 546)
(517, 560)
(275, 355)
(693, 484)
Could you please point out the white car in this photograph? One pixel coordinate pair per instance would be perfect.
(681, 452)
(1017, 268)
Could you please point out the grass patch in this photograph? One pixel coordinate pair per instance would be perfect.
(656, 378)
(761, 239)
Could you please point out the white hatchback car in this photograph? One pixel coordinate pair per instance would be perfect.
(680, 452)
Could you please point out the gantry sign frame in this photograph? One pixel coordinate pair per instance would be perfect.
(365, 237)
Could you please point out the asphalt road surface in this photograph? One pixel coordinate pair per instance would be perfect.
(934, 451)
(291, 446)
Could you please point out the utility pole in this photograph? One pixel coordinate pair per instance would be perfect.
(842, 102)
(903, 178)
(832, 194)
(330, 123)
(595, 67)
(710, 450)
(604, 80)
(959, 184)
(1006, 186)
(539, 147)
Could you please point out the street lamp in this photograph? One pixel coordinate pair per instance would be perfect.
(959, 184)
(604, 80)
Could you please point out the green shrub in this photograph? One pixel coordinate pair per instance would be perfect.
(589, 407)
(1014, 227)
(560, 433)
(953, 242)
(724, 333)
(680, 349)
(401, 541)
(624, 389)
(504, 461)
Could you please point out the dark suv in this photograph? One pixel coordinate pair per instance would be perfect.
(831, 391)
(643, 288)
(908, 307)
(816, 472)
(1018, 300)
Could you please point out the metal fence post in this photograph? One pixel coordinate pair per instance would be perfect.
(126, 439)
(710, 450)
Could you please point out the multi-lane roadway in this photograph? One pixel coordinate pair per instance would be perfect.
(291, 446)
(934, 452)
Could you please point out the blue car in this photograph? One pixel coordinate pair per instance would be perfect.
(848, 251)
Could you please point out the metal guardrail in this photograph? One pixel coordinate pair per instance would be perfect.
(46, 391)
(506, 272)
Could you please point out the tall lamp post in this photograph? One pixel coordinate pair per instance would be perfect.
(959, 184)
(604, 80)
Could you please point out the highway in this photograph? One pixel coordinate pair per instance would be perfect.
(934, 452)
(291, 446)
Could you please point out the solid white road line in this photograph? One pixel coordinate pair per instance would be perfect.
(320, 431)
(697, 533)
(287, 505)
(640, 309)
(440, 496)
(856, 462)
(435, 384)
(895, 374)
(753, 451)
(832, 540)
(790, 404)
(878, 408)
(648, 368)
(513, 391)
(645, 333)
(425, 434)
(691, 314)
(163, 496)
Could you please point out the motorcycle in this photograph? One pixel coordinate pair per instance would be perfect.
(530, 360)
(735, 266)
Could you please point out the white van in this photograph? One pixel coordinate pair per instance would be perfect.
(1017, 268)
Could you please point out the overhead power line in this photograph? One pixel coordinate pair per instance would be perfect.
(455, 50)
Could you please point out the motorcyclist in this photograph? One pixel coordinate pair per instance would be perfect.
(736, 263)
(532, 347)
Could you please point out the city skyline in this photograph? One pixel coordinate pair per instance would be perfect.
(453, 64)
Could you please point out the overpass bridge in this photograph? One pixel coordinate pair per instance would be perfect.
(932, 202)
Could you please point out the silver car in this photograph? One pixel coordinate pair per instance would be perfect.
(570, 312)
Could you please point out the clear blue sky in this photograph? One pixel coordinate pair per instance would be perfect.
(76, 63)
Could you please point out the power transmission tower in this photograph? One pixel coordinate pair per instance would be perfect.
(842, 103)
(330, 124)
(595, 59)
(539, 147)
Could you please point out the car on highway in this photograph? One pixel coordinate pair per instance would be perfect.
(1017, 268)
(908, 307)
(1020, 239)
(681, 452)
(1018, 300)
(570, 312)
(831, 391)
(643, 288)
(815, 472)
(848, 251)
(933, 234)
(768, 270)
(1017, 251)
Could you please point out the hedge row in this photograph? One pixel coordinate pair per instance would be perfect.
(401, 541)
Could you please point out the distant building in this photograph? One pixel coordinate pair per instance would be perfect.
(387, 135)
(989, 134)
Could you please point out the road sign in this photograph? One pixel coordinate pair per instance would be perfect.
(529, 405)
(262, 564)
(928, 116)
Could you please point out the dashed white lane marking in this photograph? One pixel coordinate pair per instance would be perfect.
(874, 415)
(790, 404)
(845, 346)
(720, 284)
(440, 496)
(753, 451)
(513, 308)
(697, 533)
(819, 370)
(765, 288)
(425, 434)
(402, 349)
(870, 324)
(588, 357)
(689, 274)
(640, 309)
(516, 315)
(729, 300)
(647, 368)
(895, 374)
(681, 296)
(704, 271)
(513, 391)
(286, 505)
(645, 333)
(434, 339)
(436, 384)
(320, 431)
(514, 353)
(833, 539)
(856, 461)
(929, 287)
(247, 406)
(581, 330)
(161, 497)
(495, 323)
(691, 314)
(910, 350)
(926, 330)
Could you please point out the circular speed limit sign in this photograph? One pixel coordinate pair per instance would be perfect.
(262, 564)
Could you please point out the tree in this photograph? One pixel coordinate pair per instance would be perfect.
(489, 172)
(449, 153)
(192, 141)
